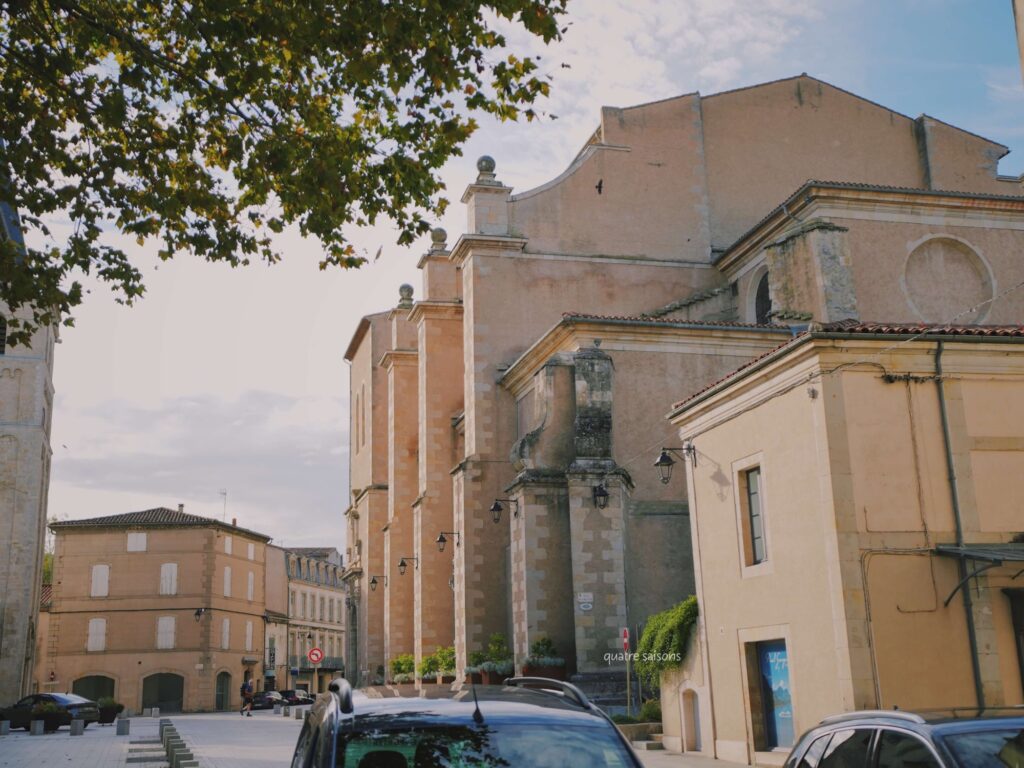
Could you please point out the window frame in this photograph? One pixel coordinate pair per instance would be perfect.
(89, 635)
(225, 633)
(173, 632)
(93, 592)
(876, 747)
(227, 581)
(174, 579)
(740, 469)
(137, 534)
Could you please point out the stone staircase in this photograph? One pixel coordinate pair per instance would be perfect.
(652, 742)
(606, 689)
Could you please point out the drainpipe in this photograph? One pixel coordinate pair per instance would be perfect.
(972, 637)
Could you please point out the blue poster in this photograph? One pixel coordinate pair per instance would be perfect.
(778, 703)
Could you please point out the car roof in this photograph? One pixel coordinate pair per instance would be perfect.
(496, 704)
(940, 721)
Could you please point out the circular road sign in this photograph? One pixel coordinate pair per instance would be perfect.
(315, 655)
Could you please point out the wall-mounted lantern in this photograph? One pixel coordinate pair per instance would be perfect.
(442, 539)
(497, 508)
(403, 564)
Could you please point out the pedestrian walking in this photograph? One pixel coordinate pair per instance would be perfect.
(246, 692)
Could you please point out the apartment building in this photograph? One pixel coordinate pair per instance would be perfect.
(316, 622)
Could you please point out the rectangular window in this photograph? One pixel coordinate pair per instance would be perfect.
(753, 512)
(100, 580)
(321, 609)
(248, 635)
(136, 542)
(227, 581)
(251, 551)
(165, 632)
(302, 610)
(227, 545)
(97, 635)
(251, 587)
(291, 603)
(169, 579)
(330, 610)
(225, 633)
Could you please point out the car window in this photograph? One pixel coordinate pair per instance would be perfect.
(1001, 748)
(26, 702)
(848, 748)
(524, 746)
(901, 750)
(814, 752)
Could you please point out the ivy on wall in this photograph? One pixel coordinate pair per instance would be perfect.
(664, 640)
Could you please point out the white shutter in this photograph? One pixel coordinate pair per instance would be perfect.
(251, 587)
(136, 542)
(227, 545)
(165, 632)
(227, 581)
(248, 635)
(252, 551)
(100, 580)
(97, 635)
(225, 633)
(169, 579)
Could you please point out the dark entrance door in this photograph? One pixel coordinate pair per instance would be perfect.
(1016, 597)
(165, 690)
(94, 687)
(223, 691)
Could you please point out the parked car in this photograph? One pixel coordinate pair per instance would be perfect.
(266, 699)
(71, 706)
(299, 697)
(527, 722)
(947, 738)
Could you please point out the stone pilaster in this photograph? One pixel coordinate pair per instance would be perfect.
(810, 274)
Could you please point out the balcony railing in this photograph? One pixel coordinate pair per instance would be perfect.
(329, 662)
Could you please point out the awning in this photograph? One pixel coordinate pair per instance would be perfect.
(993, 555)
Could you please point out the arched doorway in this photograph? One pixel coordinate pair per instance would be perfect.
(165, 690)
(691, 721)
(94, 687)
(763, 302)
(223, 691)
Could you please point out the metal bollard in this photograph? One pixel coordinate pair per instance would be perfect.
(77, 727)
(123, 726)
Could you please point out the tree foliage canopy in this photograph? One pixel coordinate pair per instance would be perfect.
(211, 124)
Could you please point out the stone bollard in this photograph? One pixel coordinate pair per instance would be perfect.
(155, 712)
(286, 710)
(36, 728)
(168, 735)
(298, 713)
(77, 727)
(5, 727)
(277, 709)
(147, 711)
(124, 726)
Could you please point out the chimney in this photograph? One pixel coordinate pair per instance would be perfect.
(181, 507)
(234, 522)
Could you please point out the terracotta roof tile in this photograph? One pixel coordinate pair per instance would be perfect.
(654, 320)
(158, 517)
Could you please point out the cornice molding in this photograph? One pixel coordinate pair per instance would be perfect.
(443, 310)
(477, 242)
(398, 357)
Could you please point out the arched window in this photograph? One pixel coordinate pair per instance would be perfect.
(763, 302)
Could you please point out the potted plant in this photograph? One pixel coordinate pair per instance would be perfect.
(429, 667)
(445, 665)
(109, 709)
(544, 660)
(472, 672)
(402, 668)
(499, 663)
(53, 717)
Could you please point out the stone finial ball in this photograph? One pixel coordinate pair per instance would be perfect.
(438, 236)
(405, 291)
(485, 164)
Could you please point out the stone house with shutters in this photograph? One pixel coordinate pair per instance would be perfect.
(516, 406)
(158, 608)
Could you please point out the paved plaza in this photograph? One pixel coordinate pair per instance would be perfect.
(218, 740)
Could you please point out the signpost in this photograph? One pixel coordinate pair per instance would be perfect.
(629, 687)
(315, 656)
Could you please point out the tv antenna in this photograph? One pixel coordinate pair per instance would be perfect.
(224, 494)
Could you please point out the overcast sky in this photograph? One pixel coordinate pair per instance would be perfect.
(234, 380)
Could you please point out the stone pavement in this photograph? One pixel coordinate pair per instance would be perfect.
(662, 759)
(226, 740)
(98, 746)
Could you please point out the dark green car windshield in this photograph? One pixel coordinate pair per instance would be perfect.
(988, 749)
(489, 746)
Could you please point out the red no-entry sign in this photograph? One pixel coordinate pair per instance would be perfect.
(315, 655)
(625, 639)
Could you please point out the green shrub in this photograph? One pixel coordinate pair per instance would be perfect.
(45, 708)
(403, 664)
(446, 659)
(476, 658)
(497, 648)
(543, 646)
(109, 702)
(663, 643)
(429, 667)
(402, 677)
(623, 719)
(650, 712)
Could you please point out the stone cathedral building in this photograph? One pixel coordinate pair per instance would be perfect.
(532, 373)
(26, 410)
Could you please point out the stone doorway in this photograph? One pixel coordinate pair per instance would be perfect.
(94, 687)
(165, 690)
(223, 701)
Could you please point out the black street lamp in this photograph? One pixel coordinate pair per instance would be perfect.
(496, 508)
(403, 565)
(442, 539)
(665, 462)
(600, 496)
(198, 615)
(374, 581)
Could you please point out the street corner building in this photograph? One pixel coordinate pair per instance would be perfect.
(26, 411)
(505, 421)
(157, 609)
